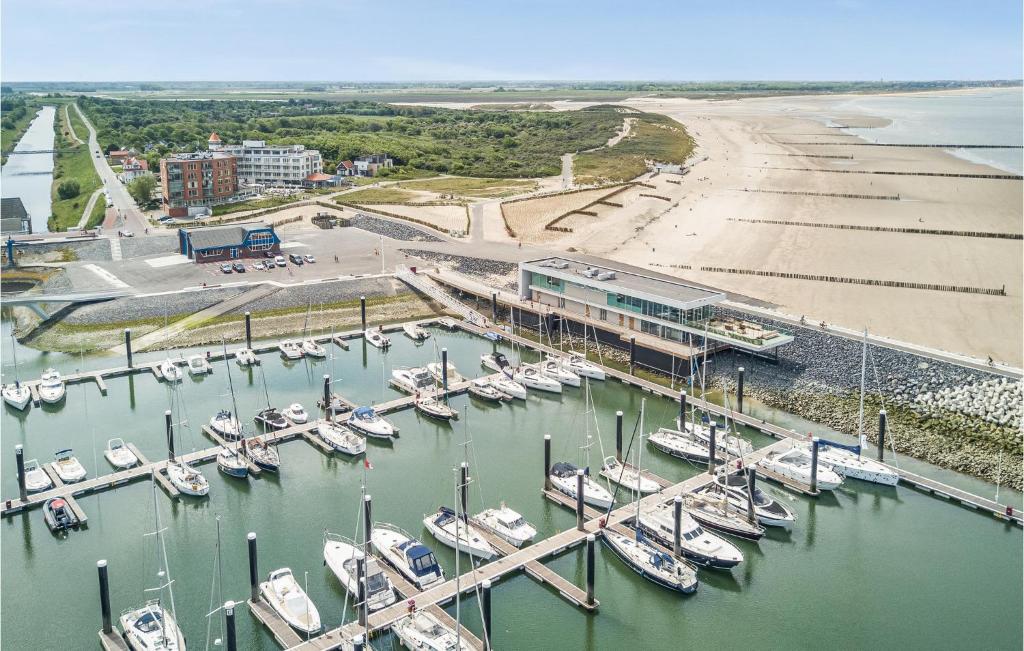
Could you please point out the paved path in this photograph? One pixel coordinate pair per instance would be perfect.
(88, 208)
(567, 171)
(71, 127)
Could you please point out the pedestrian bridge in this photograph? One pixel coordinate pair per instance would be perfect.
(31, 299)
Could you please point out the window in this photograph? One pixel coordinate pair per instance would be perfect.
(561, 302)
(261, 241)
(602, 314)
(209, 253)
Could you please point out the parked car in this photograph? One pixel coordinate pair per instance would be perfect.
(295, 258)
(239, 267)
(279, 261)
(257, 266)
(225, 268)
(269, 254)
(309, 258)
(166, 219)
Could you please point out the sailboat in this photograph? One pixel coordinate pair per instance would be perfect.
(768, 511)
(422, 630)
(712, 509)
(170, 371)
(452, 530)
(795, 464)
(153, 626)
(343, 556)
(697, 545)
(340, 438)
(270, 418)
(497, 362)
(16, 395)
(256, 450)
(431, 405)
(563, 478)
(554, 368)
(617, 472)
(309, 345)
(184, 477)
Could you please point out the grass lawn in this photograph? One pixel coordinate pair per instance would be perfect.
(74, 164)
(464, 186)
(377, 195)
(19, 120)
(258, 204)
(652, 137)
(99, 211)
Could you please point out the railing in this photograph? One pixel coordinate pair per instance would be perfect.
(428, 287)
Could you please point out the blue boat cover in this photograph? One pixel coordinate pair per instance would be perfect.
(823, 443)
(362, 412)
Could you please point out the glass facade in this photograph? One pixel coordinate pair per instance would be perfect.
(695, 316)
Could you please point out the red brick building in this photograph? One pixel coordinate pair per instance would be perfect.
(202, 179)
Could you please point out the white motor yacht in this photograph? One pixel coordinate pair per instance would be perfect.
(197, 365)
(651, 563)
(697, 544)
(530, 376)
(563, 478)
(271, 419)
(497, 362)
(290, 349)
(377, 339)
(342, 555)
(415, 332)
(36, 479)
(423, 631)
(170, 371)
(366, 420)
(482, 389)
(284, 594)
(725, 443)
(296, 413)
(769, 511)
(17, 395)
(51, 387)
(340, 438)
(847, 464)
(434, 368)
(556, 370)
(245, 357)
(411, 380)
(795, 464)
(118, 454)
(507, 524)
(446, 526)
(578, 364)
(682, 444)
(508, 386)
(627, 476)
(226, 425)
(67, 467)
(310, 348)
(187, 479)
(151, 627)
(409, 556)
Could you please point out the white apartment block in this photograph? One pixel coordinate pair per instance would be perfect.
(260, 163)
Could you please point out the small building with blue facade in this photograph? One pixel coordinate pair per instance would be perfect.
(230, 242)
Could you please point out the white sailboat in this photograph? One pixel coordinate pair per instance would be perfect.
(769, 511)
(616, 472)
(796, 464)
(431, 405)
(454, 531)
(16, 394)
(118, 454)
(422, 631)
(563, 478)
(531, 377)
(226, 425)
(340, 438)
(578, 364)
(309, 345)
(508, 386)
(682, 444)
(284, 594)
(183, 476)
(256, 450)
(51, 387)
(556, 370)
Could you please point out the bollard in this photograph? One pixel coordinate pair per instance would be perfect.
(547, 462)
(248, 330)
(101, 567)
(170, 435)
(362, 311)
(361, 590)
(677, 525)
(367, 509)
(485, 602)
(494, 307)
(814, 464)
(464, 489)
(19, 458)
(881, 435)
(712, 427)
(128, 345)
(327, 396)
(618, 436)
(632, 354)
(751, 488)
(357, 643)
(682, 411)
(579, 499)
(254, 576)
(444, 372)
(229, 625)
(591, 539)
(739, 390)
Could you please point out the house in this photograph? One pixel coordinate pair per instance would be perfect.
(14, 219)
(369, 165)
(119, 156)
(346, 168)
(133, 168)
(229, 242)
(320, 180)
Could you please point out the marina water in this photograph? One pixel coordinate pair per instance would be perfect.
(29, 176)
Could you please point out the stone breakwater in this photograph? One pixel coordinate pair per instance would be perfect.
(392, 229)
(501, 275)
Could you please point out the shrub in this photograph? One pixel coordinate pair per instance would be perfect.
(68, 189)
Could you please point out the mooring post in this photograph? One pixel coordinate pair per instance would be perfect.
(814, 464)
(591, 539)
(682, 411)
(19, 458)
(712, 434)
(444, 372)
(579, 499)
(547, 462)
(361, 590)
(618, 436)
(739, 390)
(367, 510)
(632, 354)
(881, 435)
(254, 575)
(751, 488)
(464, 489)
(362, 311)
(485, 600)
(170, 435)
(357, 643)
(248, 330)
(677, 525)
(494, 307)
(229, 625)
(101, 567)
(128, 345)
(327, 396)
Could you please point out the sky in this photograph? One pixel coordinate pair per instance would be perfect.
(398, 40)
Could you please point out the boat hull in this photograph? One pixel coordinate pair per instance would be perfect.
(17, 398)
(685, 588)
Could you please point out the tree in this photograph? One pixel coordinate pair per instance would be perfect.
(68, 189)
(142, 188)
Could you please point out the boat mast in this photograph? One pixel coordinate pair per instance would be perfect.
(458, 589)
(234, 405)
(639, 471)
(863, 368)
(14, 358)
(162, 569)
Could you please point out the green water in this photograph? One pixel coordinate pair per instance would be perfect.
(868, 566)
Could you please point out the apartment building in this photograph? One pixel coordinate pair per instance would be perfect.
(197, 180)
(273, 165)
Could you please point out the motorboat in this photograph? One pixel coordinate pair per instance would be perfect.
(847, 465)
(232, 464)
(434, 368)
(493, 336)
(36, 479)
(725, 443)
(284, 594)
(342, 555)
(499, 363)
(563, 478)
(151, 627)
(226, 425)
(340, 438)
(118, 454)
(627, 476)
(51, 387)
(261, 453)
(697, 545)
(769, 512)
(508, 386)
(530, 376)
(67, 467)
(423, 631)
(170, 371)
(271, 419)
(296, 413)
(58, 515)
(187, 479)
(415, 332)
(377, 339)
(366, 420)
(482, 389)
(409, 556)
(651, 563)
(714, 512)
(197, 365)
(245, 357)
(555, 370)
(310, 348)
(507, 524)
(446, 526)
(17, 395)
(578, 364)
(435, 408)
(681, 444)
(411, 380)
(795, 464)
(290, 349)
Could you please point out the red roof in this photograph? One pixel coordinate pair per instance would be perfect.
(119, 152)
(214, 137)
(347, 164)
(318, 177)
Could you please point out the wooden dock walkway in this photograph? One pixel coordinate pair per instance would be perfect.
(113, 641)
(283, 634)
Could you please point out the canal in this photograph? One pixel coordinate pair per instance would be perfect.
(30, 176)
(866, 566)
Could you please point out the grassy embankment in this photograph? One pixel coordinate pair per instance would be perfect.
(651, 138)
(464, 186)
(73, 162)
(18, 113)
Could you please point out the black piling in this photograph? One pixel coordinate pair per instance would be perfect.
(682, 411)
(361, 591)
(814, 464)
(254, 573)
(327, 396)
(579, 499)
(101, 567)
(485, 602)
(547, 462)
(362, 311)
(591, 539)
(170, 435)
(19, 458)
(751, 488)
(677, 525)
(632, 354)
(229, 626)
(464, 489)
(881, 435)
(444, 372)
(494, 307)
(739, 389)
(128, 345)
(712, 444)
(248, 330)
(618, 435)
(367, 511)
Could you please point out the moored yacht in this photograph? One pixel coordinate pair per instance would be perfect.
(497, 362)
(698, 545)
(556, 370)
(51, 387)
(366, 420)
(482, 389)
(507, 524)
(197, 365)
(530, 376)
(627, 476)
(226, 425)
(170, 371)
(67, 467)
(769, 511)
(507, 386)
(341, 439)
(284, 594)
(17, 395)
(446, 527)
(118, 454)
(795, 464)
(411, 380)
(271, 419)
(415, 332)
(409, 556)
(342, 555)
(58, 515)
(36, 479)
(231, 463)
(714, 511)
(310, 348)
(245, 357)
(563, 478)
(290, 349)
(423, 631)
(187, 479)
(847, 464)
(435, 408)
(296, 413)
(578, 364)
(261, 453)
(725, 443)
(377, 339)
(434, 368)
(651, 563)
(681, 444)
(151, 627)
